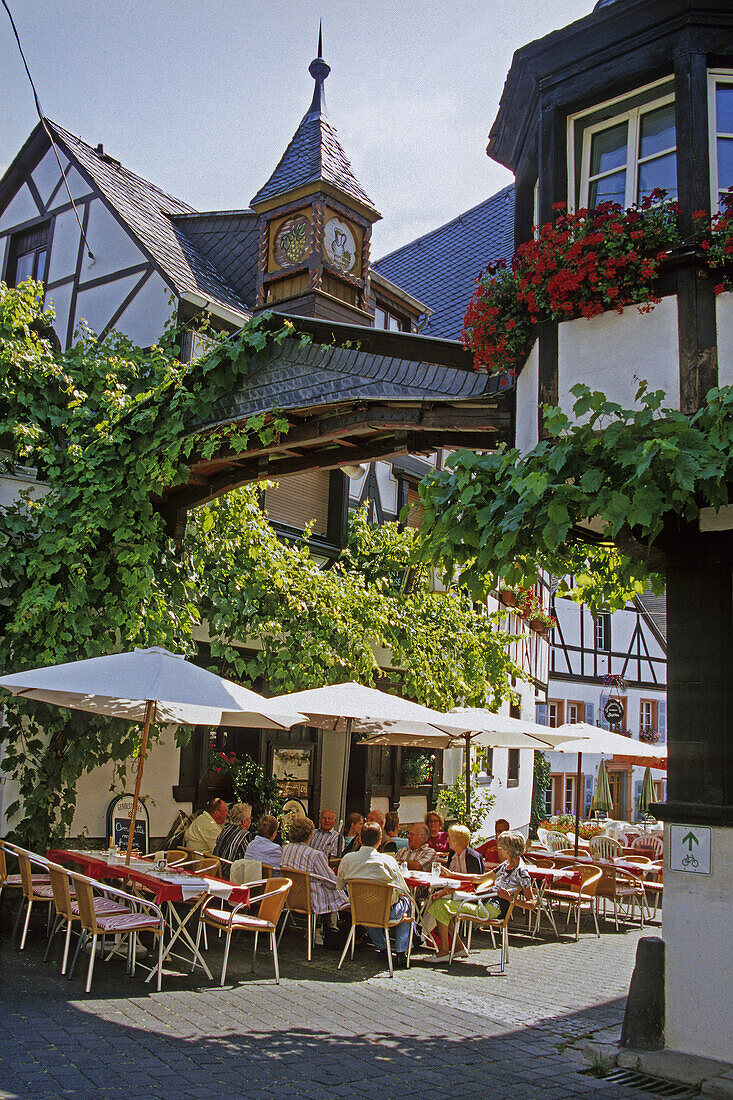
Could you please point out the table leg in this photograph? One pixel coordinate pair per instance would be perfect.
(182, 931)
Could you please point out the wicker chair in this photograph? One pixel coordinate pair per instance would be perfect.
(299, 901)
(500, 924)
(14, 882)
(582, 896)
(371, 903)
(617, 886)
(135, 915)
(654, 888)
(234, 920)
(605, 847)
(207, 865)
(67, 908)
(32, 891)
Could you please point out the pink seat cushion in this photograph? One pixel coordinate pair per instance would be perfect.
(221, 917)
(14, 881)
(126, 922)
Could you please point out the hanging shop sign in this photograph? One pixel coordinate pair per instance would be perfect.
(613, 710)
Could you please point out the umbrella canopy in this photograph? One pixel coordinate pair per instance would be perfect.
(356, 708)
(120, 685)
(647, 795)
(602, 795)
(607, 743)
(148, 685)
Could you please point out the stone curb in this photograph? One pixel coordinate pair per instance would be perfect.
(712, 1078)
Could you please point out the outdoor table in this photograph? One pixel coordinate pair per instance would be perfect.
(167, 887)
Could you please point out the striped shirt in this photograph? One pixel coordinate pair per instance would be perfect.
(232, 842)
(326, 842)
(325, 896)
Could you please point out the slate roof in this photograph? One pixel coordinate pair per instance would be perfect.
(441, 268)
(149, 212)
(314, 154)
(656, 608)
(229, 239)
(292, 377)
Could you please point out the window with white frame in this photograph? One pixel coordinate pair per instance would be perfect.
(721, 134)
(548, 799)
(603, 632)
(555, 716)
(622, 150)
(574, 712)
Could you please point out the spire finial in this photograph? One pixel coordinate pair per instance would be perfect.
(319, 70)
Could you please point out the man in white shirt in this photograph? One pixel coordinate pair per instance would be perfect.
(203, 832)
(326, 839)
(372, 864)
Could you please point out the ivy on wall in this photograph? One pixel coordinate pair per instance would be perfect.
(611, 474)
(88, 568)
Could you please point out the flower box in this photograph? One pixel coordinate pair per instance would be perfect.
(508, 598)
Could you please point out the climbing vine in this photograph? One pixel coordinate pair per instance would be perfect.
(610, 474)
(86, 565)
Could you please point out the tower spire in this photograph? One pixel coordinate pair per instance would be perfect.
(319, 70)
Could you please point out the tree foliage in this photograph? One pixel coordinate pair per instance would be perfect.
(88, 568)
(624, 472)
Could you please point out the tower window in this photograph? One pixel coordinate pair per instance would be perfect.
(384, 317)
(28, 255)
(721, 134)
(624, 149)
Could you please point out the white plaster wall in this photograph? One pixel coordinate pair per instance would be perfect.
(11, 487)
(148, 314)
(64, 247)
(527, 434)
(724, 316)
(160, 776)
(97, 306)
(698, 918)
(412, 807)
(112, 246)
(607, 352)
(46, 174)
(78, 186)
(60, 299)
(21, 208)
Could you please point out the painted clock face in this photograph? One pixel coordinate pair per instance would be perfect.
(339, 244)
(292, 241)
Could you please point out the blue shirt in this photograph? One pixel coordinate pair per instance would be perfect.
(266, 851)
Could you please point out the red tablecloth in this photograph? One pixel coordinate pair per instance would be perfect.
(96, 866)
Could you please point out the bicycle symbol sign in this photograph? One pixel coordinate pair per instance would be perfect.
(690, 849)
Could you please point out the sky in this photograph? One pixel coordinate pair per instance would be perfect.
(201, 97)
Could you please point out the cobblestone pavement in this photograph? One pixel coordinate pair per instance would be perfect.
(321, 1033)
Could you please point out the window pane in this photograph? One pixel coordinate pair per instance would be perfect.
(609, 189)
(724, 108)
(608, 150)
(24, 267)
(41, 264)
(660, 172)
(394, 323)
(380, 318)
(725, 163)
(657, 131)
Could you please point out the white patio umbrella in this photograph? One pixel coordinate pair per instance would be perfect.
(353, 708)
(148, 685)
(475, 726)
(606, 743)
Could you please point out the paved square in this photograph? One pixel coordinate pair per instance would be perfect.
(321, 1032)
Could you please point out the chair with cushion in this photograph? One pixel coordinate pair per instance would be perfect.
(299, 901)
(207, 865)
(371, 903)
(654, 888)
(134, 915)
(578, 896)
(243, 871)
(649, 843)
(494, 924)
(14, 882)
(229, 921)
(67, 908)
(32, 891)
(605, 847)
(617, 885)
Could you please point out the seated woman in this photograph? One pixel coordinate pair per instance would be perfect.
(392, 841)
(437, 837)
(352, 833)
(298, 855)
(463, 861)
(493, 904)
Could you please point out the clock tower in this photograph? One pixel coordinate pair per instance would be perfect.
(315, 223)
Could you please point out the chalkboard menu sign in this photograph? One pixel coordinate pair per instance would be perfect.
(119, 815)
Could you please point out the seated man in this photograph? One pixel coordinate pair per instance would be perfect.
(203, 832)
(325, 839)
(372, 864)
(263, 847)
(392, 841)
(235, 836)
(488, 848)
(418, 855)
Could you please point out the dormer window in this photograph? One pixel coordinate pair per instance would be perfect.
(624, 149)
(721, 134)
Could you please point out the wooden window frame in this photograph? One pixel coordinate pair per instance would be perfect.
(559, 705)
(512, 773)
(403, 322)
(580, 704)
(42, 231)
(715, 77)
(654, 705)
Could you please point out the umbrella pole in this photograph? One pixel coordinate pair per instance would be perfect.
(345, 773)
(578, 777)
(468, 777)
(141, 764)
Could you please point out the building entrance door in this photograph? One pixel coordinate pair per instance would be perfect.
(618, 795)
